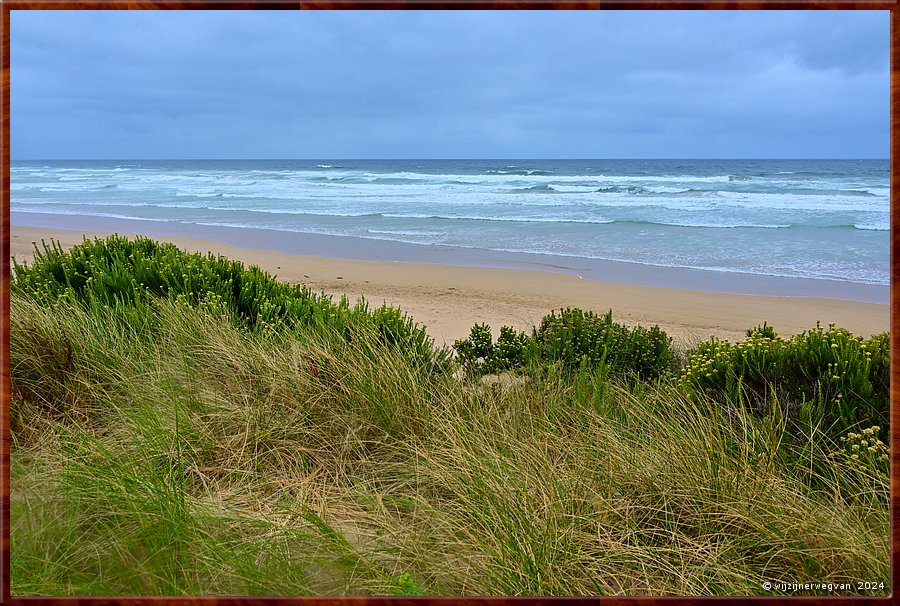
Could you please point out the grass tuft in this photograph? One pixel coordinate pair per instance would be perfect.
(161, 446)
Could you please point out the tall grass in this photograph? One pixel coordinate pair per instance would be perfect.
(179, 453)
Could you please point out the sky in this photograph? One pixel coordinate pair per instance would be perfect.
(449, 84)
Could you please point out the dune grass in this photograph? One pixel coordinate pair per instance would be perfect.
(183, 454)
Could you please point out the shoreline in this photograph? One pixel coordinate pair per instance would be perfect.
(450, 299)
(373, 249)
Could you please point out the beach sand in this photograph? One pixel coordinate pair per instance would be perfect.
(450, 299)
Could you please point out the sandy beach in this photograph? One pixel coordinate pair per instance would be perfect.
(450, 299)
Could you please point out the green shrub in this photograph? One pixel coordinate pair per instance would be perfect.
(125, 274)
(510, 349)
(764, 330)
(844, 377)
(480, 355)
(573, 339)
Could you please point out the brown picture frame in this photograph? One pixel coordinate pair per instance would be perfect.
(9, 5)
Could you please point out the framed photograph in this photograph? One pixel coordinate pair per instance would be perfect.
(423, 303)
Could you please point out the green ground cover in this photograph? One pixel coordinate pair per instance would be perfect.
(183, 425)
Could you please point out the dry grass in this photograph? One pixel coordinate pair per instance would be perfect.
(196, 458)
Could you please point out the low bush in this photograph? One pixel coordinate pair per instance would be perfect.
(574, 339)
(479, 354)
(125, 274)
(844, 377)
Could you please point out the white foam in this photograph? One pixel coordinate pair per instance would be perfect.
(885, 226)
(406, 232)
(98, 214)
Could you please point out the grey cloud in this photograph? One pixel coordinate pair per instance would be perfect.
(451, 84)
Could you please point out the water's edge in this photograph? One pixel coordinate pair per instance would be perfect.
(363, 249)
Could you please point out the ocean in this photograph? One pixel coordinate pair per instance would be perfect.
(817, 219)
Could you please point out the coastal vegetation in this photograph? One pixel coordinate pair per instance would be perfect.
(184, 425)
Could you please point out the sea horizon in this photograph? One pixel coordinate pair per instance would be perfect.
(448, 159)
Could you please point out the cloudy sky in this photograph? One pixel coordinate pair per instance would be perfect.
(278, 84)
